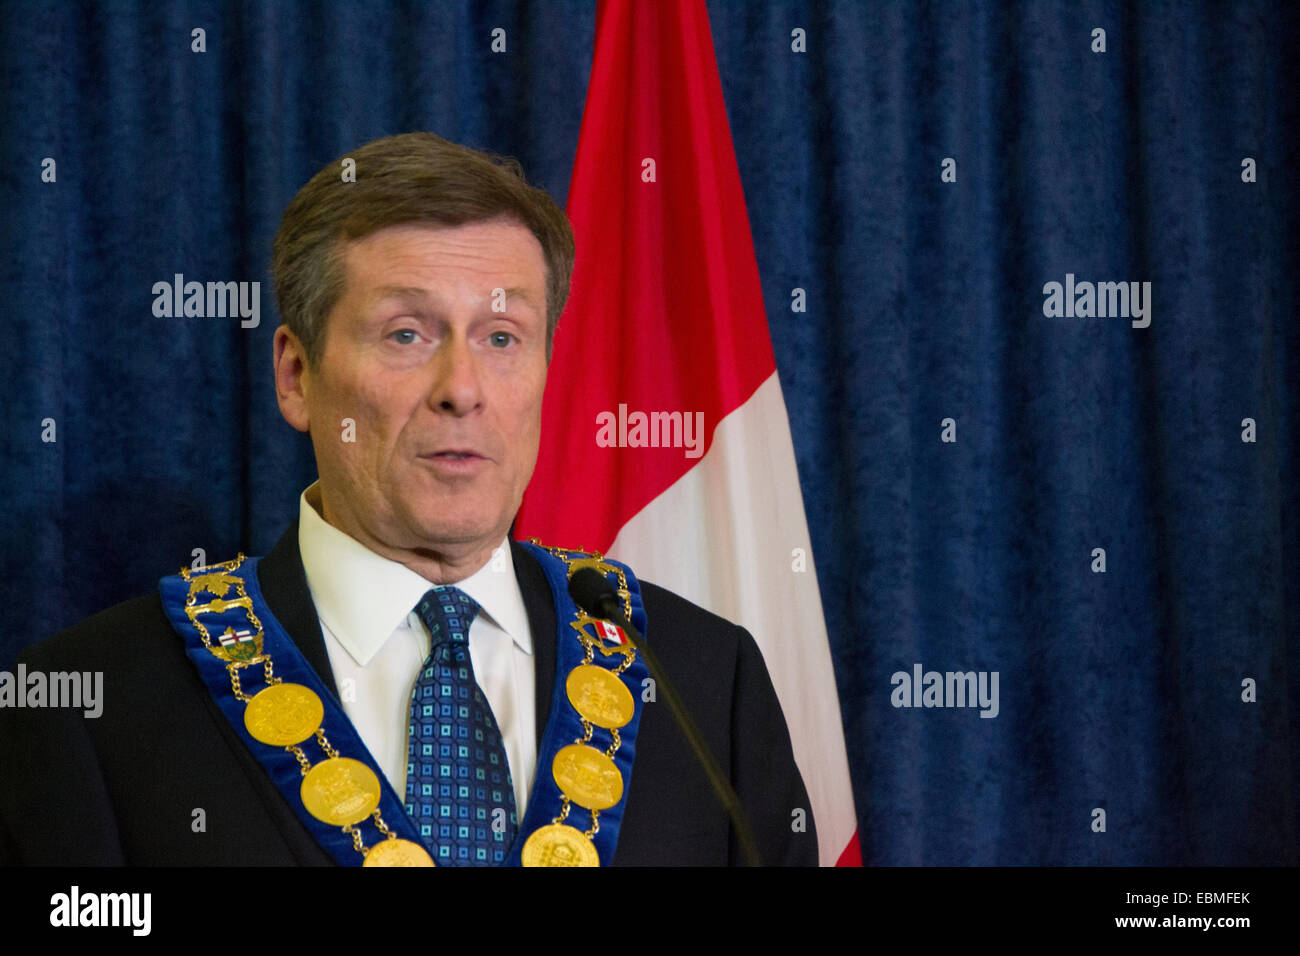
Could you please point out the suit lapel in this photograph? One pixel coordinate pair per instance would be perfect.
(540, 605)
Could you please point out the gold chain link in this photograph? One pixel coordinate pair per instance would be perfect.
(233, 668)
(324, 743)
(357, 845)
(302, 758)
(564, 809)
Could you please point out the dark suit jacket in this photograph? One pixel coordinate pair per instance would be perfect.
(123, 788)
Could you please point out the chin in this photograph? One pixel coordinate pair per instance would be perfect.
(462, 530)
(456, 519)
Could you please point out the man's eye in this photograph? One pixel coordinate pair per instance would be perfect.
(404, 336)
(501, 339)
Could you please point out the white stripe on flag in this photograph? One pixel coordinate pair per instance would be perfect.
(723, 536)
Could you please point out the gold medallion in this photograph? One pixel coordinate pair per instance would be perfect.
(284, 714)
(599, 696)
(587, 777)
(340, 791)
(397, 852)
(558, 845)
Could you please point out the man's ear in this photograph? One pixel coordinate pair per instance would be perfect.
(290, 370)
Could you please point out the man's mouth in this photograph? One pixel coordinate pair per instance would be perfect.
(454, 455)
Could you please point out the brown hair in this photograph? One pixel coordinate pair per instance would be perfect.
(414, 177)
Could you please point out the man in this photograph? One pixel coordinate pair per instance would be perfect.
(432, 691)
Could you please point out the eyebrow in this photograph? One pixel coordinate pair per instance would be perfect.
(514, 292)
(400, 292)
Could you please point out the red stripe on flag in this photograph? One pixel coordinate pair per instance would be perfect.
(852, 855)
(666, 309)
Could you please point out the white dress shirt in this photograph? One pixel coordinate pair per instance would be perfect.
(377, 644)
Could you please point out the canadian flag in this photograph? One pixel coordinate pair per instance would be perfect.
(611, 632)
(665, 329)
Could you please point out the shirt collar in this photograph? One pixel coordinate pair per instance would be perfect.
(362, 597)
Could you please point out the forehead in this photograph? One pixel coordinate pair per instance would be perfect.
(473, 259)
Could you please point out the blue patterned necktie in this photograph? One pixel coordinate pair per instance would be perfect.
(458, 786)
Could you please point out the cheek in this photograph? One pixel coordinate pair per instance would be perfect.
(360, 418)
(526, 395)
(529, 431)
(383, 405)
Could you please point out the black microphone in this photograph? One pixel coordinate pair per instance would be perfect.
(595, 594)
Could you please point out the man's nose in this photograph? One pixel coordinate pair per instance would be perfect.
(457, 388)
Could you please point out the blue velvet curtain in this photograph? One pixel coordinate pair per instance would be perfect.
(921, 171)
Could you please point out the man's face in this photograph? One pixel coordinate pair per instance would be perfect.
(445, 392)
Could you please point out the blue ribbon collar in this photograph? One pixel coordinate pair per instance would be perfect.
(239, 648)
